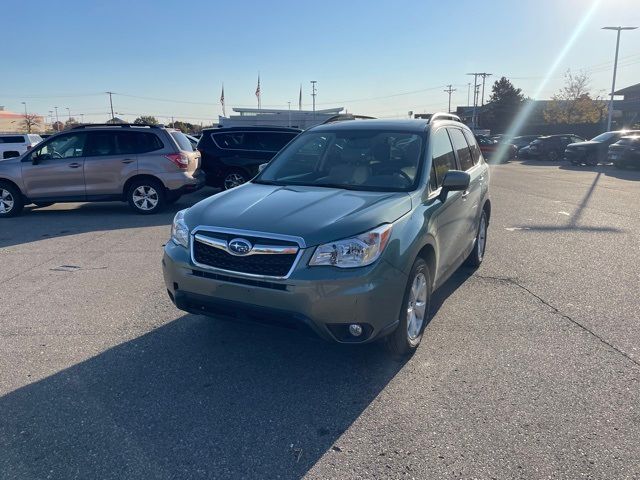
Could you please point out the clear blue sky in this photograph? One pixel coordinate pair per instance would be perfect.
(357, 50)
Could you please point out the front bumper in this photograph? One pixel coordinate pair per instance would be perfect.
(575, 156)
(323, 299)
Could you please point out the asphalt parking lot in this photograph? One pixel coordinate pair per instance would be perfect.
(530, 367)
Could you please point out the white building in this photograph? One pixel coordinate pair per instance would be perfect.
(278, 118)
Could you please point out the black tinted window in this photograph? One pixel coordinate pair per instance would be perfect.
(262, 141)
(442, 156)
(473, 146)
(147, 142)
(275, 141)
(462, 148)
(100, 144)
(12, 139)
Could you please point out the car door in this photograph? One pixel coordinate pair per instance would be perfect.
(451, 222)
(55, 169)
(472, 197)
(109, 160)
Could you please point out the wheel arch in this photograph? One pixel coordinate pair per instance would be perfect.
(8, 181)
(140, 176)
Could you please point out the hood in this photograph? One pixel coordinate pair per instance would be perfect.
(588, 145)
(316, 214)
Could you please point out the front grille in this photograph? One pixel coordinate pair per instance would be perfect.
(269, 265)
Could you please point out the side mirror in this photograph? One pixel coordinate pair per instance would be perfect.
(262, 166)
(454, 181)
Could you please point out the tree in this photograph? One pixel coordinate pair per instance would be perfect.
(145, 119)
(504, 104)
(573, 103)
(30, 120)
(72, 122)
(57, 126)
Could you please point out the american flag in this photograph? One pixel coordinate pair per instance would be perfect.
(258, 91)
(224, 113)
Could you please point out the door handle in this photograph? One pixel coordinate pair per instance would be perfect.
(465, 194)
(74, 165)
(128, 160)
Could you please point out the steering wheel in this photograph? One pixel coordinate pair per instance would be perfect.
(400, 173)
(56, 155)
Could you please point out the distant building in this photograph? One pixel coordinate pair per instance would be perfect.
(629, 107)
(278, 118)
(11, 122)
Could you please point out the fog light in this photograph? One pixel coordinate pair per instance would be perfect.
(355, 329)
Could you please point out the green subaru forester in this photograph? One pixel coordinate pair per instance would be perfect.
(347, 231)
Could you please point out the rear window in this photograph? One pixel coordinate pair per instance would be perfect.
(182, 141)
(12, 139)
(628, 140)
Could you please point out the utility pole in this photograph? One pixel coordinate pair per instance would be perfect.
(111, 103)
(57, 121)
(313, 94)
(69, 112)
(468, 93)
(615, 68)
(484, 76)
(289, 103)
(449, 90)
(475, 89)
(51, 117)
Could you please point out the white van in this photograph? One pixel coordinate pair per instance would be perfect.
(15, 144)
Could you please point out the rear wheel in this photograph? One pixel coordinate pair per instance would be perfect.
(11, 201)
(146, 196)
(414, 314)
(234, 178)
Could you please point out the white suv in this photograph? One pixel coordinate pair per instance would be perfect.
(15, 144)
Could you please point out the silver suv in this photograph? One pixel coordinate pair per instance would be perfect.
(147, 166)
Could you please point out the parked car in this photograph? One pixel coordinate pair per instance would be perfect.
(231, 155)
(193, 140)
(347, 231)
(146, 166)
(15, 144)
(523, 141)
(551, 147)
(595, 150)
(625, 152)
(491, 147)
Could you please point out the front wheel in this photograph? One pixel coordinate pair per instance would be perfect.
(11, 201)
(477, 254)
(554, 156)
(146, 196)
(414, 314)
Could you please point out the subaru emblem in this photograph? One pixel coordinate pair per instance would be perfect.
(240, 246)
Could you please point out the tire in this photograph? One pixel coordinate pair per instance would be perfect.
(146, 196)
(480, 244)
(406, 338)
(592, 160)
(43, 204)
(11, 201)
(553, 156)
(234, 178)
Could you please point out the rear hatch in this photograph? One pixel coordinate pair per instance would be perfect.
(187, 150)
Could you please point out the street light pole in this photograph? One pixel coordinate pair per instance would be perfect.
(615, 68)
(313, 94)
(111, 103)
(289, 103)
(57, 121)
(26, 119)
(69, 112)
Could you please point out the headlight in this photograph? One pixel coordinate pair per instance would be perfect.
(353, 252)
(179, 230)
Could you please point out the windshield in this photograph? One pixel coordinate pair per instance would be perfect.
(603, 137)
(351, 159)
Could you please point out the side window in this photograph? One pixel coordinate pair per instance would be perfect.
(147, 142)
(64, 146)
(473, 146)
(461, 147)
(230, 141)
(126, 143)
(100, 144)
(275, 141)
(442, 157)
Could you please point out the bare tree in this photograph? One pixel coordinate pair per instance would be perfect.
(30, 120)
(573, 103)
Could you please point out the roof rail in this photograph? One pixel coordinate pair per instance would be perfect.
(341, 117)
(121, 125)
(444, 116)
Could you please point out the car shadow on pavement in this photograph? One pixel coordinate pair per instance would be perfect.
(195, 398)
(72, 219)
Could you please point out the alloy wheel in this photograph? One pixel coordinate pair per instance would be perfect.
(145, 197)
(6, 201)
(417, 306)
(233, 180)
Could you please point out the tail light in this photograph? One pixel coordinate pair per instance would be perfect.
(180, 160)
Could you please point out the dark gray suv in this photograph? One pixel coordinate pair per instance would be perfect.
(146, 166)
(348, 230)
